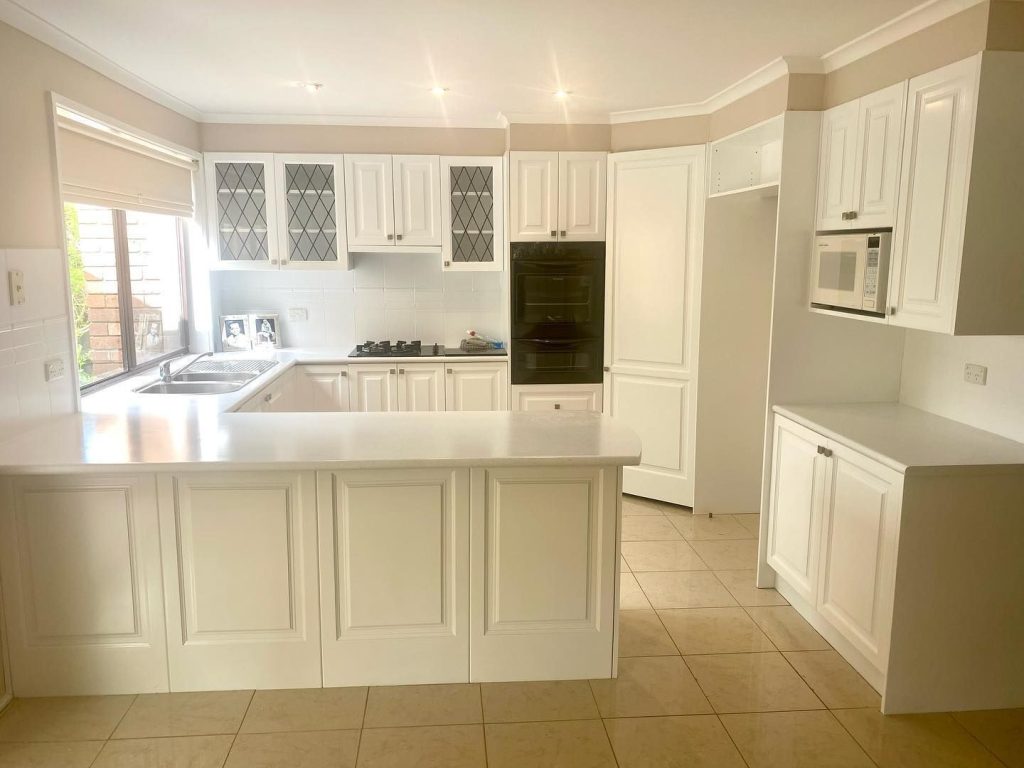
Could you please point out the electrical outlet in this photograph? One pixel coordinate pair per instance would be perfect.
(298, 314)
(975, 374)
(54, 369)
(16, 286)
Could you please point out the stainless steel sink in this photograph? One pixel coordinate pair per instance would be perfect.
(241, 378)
(209, 377)
(191, 387)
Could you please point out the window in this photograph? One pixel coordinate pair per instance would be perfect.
(128, 289)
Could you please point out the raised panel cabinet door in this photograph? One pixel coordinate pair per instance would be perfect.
(858, 558)
(581, 195)
(927, 241)
(836, 166)
(369, 200)
(373, 388)
(879, 141)
(420, 387)
(795, 506)
(543, 559)
(326, 388)
(394, 576)
(472, 213)
(240, 572)
(533, 187)
(476, 387)
(80, 558)
(242, 213)
(311, 209)
(417, 199)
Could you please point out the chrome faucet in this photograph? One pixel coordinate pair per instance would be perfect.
(165, 367)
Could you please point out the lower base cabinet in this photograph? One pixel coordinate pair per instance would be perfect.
(565, 397)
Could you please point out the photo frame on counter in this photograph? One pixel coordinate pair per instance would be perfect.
(266, 330)
(235, 333)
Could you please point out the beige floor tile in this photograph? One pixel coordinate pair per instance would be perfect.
(728, 555)
(1001, 730)
(177, 752)
(631, 597)
(634, 506)
(697, 741)
(751, 682)
(184, 714)
(305, 709)
(702, 527)
(73, 718)
(641, 634)
(835, 682)
(623, 565)
(650, 686)
(788, 629)
(645, 528)
(915, 741)
(310, 749)
(661, 556)
(794, 740)
(714, 630)
(440, 746)
(685, 589)
(400, 705)
(523, 702)
(68, 754)
(751, 522)
(567, 744)
(741, 585)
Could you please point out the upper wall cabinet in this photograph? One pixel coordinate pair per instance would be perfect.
(312, 231)
(859, 161)
(557, 196)
(393, 203)
(242, 214)
(472, 213)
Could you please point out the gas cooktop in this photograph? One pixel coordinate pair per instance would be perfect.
(415, 349)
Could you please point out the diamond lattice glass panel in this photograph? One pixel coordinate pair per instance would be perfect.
(472, 213)
(312, 228)
(242, 212)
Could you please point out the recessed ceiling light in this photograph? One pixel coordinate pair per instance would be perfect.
(310, 87)
(437, 90)
(560, 94)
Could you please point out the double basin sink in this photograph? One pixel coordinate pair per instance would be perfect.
(209, 377)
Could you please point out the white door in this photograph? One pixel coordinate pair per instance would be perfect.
(242, 213)
(858, 556)
(554, 397)
(795, 506)
(394, 576)
(311, 211)
(373, 388)
(369, 200)
(549, 616)
(476, 387)
(937, 145)
(472, 213)
(836, 166)
(240, 575)
(879, 139)
(80, 559)
(325, 388)
(533, 187)
(421, 388)
(417, 200)
(656, 204)
(581, 195)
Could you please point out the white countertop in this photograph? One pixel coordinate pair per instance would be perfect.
(908, 439)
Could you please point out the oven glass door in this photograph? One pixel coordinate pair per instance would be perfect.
(557, 361)
(557, 299)
(838, 277)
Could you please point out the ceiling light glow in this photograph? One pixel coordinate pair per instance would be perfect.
(562, 94)
(437, 90)
(310, 87)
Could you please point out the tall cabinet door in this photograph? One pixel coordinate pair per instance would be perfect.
(421, 388)
(837, 159)
(373, 388)
(417, 200)
(656, 201)
(394, 576)
(533, 186)
(795, 502)
(937, 145)
(581, 195)
(370, 205)
(879, 141)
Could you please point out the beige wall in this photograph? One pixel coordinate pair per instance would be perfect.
(667, 132)
(396, 140)
(29, 213)
(576, 137)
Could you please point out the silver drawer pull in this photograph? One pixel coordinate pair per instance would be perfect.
(401, 370)
(392, 370)
(554, 233)
(558, 406)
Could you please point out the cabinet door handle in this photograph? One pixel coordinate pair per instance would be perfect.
(826, 452)
(273, 261)
(344, 374)
(563, 233)
(892, 310)
(607, 369)
(447, 263)
(849, 215)
(268, 397)
(450, 371)
(558, 406)
(392, 370)
(398, 237)
(391, 237)
(401, 370)
(554, 233)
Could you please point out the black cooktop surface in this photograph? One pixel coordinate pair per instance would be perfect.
(415, 349)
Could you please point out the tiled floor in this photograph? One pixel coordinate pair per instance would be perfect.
(713, 673)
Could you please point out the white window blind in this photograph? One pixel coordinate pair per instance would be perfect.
(107, 167)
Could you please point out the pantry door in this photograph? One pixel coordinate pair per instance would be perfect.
(655, 242)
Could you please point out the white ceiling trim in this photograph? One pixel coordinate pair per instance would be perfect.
(245, 118)
(32, 25)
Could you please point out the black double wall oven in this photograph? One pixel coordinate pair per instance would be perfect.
(557, 313)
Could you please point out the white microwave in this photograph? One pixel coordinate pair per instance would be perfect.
(850, 272)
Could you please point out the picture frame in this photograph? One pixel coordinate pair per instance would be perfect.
(149, 332)
(235, 333)
(266, 330)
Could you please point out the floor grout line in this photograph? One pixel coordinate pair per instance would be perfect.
(241, 722)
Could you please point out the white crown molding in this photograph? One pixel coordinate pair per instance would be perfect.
(25, 21)
(245, 118)
(893, 30)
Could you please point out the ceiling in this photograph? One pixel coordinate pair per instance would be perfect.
(379, 58)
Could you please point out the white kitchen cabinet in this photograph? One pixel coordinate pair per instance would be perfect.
(370, 203)
(80, 558)
(242, 214)
(311, 211)
(324, 388)
(417, 192)
(581, 195)
(373, 387)
(557, 196)
(421, 387)
(837, 159)
(393, 203)
(476, 386)
(394, 564)
(557, 397)
(240, 575)
(282, 395)
(472, 214)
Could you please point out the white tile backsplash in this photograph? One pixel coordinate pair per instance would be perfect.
(396, 296)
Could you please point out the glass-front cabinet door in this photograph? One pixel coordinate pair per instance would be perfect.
(311, 203)
(472, 210)
(242, 215)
